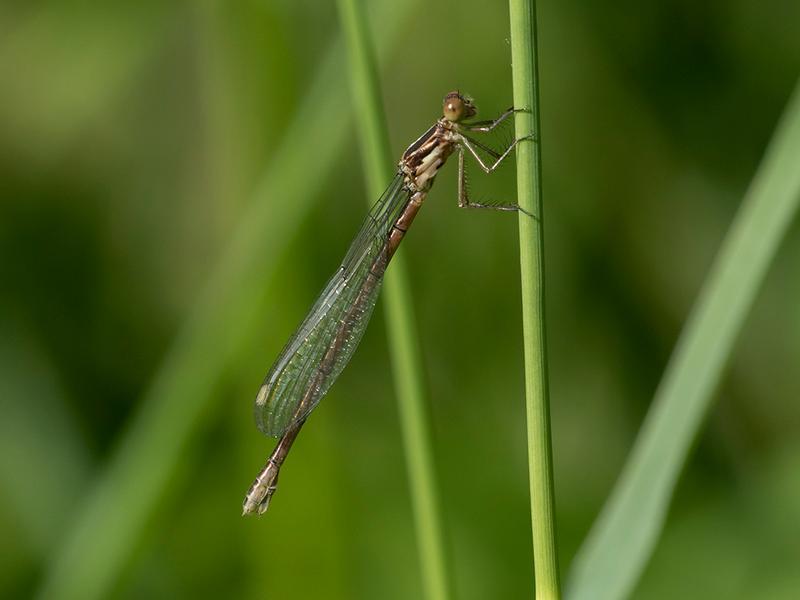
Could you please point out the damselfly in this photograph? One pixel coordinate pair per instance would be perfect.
(326, 339)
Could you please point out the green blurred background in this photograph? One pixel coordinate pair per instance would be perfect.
(136, 138)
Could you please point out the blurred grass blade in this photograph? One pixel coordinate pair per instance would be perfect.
(108, 527)
(620, 544)
(41, 448)
(531, 256)
(65, 86)
(401, 328)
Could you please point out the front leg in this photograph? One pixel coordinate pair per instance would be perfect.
(487, 126)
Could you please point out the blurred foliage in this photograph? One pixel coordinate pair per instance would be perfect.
(132, 137)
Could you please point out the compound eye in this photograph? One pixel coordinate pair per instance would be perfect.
(454, 107)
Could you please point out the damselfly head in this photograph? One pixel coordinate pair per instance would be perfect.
(457, 107)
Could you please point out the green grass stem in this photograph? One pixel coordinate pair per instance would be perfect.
(622, 539)
(36, 420)
(155, 446)
(404, 348)
(531, 239)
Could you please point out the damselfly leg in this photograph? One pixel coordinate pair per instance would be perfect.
(487, 126)
(469, 144)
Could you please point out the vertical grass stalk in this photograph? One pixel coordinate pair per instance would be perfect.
(114, 513)
(531, 239)
(401, 331)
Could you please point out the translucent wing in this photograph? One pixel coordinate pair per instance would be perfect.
(326, 339)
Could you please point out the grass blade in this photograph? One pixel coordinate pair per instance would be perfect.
(620, 544)
(401, 330)
(39, 442)
(128, 490)
(531, 241)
